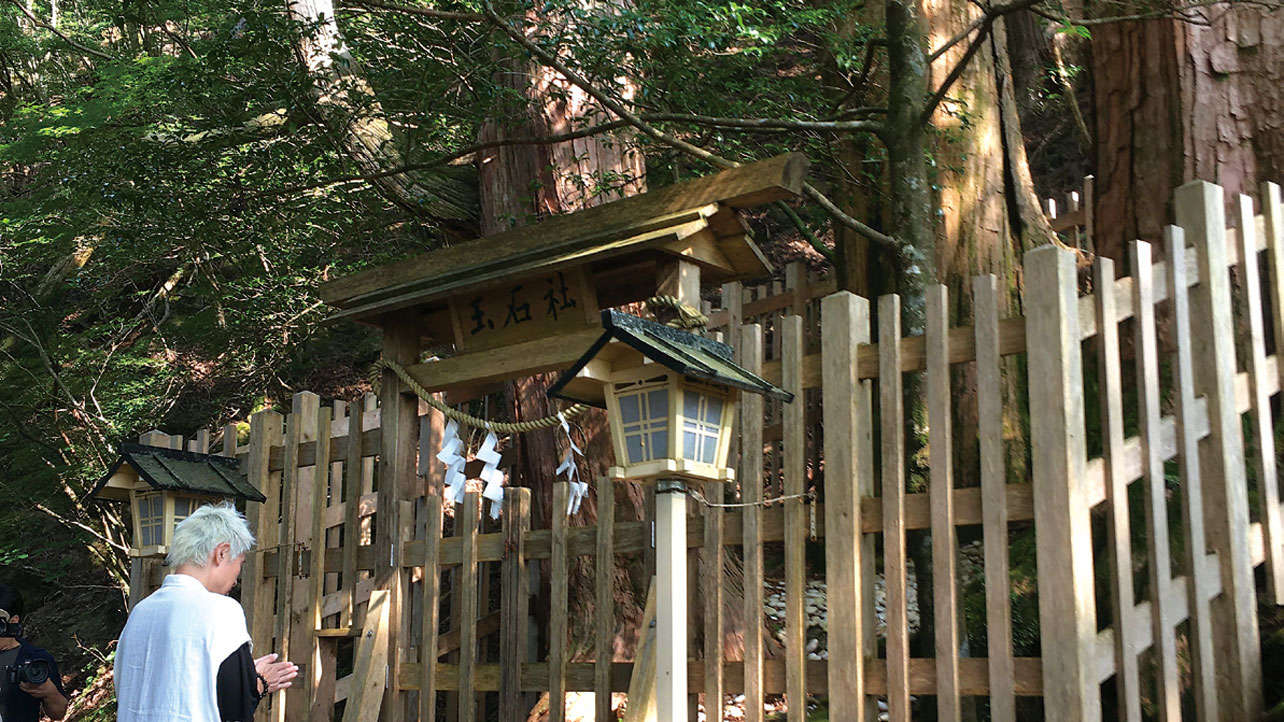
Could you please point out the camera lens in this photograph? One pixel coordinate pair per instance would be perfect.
(35, 672)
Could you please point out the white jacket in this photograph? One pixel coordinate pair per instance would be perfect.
(170, 651)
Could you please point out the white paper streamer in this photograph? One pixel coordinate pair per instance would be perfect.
(491, 474)
(579, 489)
(454, 461)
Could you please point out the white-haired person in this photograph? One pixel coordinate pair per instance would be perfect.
(185, 652)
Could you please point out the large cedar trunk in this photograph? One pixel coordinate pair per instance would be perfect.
(520, 185)
(1177, 102)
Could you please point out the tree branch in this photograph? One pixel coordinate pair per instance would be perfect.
(650, 131)
(422, 12)
(82, 48)
(925, 116)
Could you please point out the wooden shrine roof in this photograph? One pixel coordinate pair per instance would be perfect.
(696, 220)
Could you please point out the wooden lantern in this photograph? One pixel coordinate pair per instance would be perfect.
(164, 486)
(670, 396)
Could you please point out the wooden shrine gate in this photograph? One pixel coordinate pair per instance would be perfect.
(401, 622)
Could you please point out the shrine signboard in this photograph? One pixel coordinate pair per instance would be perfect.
(534, 307)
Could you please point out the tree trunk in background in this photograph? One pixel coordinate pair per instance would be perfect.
(349, 108)
(520, 185)
(1177, 102)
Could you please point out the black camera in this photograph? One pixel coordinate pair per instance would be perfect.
(35, 671)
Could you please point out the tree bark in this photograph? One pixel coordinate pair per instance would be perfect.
(348, 106)
(1177, 102)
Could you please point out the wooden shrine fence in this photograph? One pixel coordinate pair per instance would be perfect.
(1168, 622)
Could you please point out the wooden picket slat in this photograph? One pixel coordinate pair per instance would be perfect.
(944, 539)
(712, 557)
(371, 662)
(292, 703)
(266, 429)
(353, 475)
(891, 415)
(846, 320)
(1192, 511)
(604, 597)
(468, 518)
(1110, 383)
(1068, 620)
(751, 410)
(431, 621)
(998, 605)
(1201, 212)
(558, 603)
(795, 484)
(1264, 461)
(1167, 692)
(321, 669)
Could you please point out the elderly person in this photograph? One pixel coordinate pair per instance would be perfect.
(185, 651)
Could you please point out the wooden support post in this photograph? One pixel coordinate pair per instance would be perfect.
(1127, 678)
(321, 669)
(641, 698)
(671, 601)
(712, 557)
(751, 408)
(795, 484)
(1067, 609)
(941, 496)
(891, 393)
(515, 606)
(994, 504)
(467, 591)
(353, 473)
(399, 431)
(557, 620)
(370, 673)
(604, 587)
(846, 320)
(432, 604)
(294, 627)
(1201, 213)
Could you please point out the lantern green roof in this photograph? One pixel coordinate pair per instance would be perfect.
(175, 470)
(677, 350)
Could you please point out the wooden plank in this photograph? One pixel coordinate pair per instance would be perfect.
(466, 578)
(522, 359)
(1263, 426)
(515, 605)
(371, 672)
(398, 457)
(1201, 213)
(891, 393)
(941, 487)
(748, 185)
(256, 595)
(1067, 613)
(1203, 666)
(994, 508)
(431, 623)
(558, 577)
(794, 462)
(305, 406)
(604, 587)
(750, 476)
(1128, 683)
(641, 680)
(712, 556)
(1167, 687)
(322, 667)
(846, 320)
(352, 474)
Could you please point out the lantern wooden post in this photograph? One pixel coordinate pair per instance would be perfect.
(671, 594)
